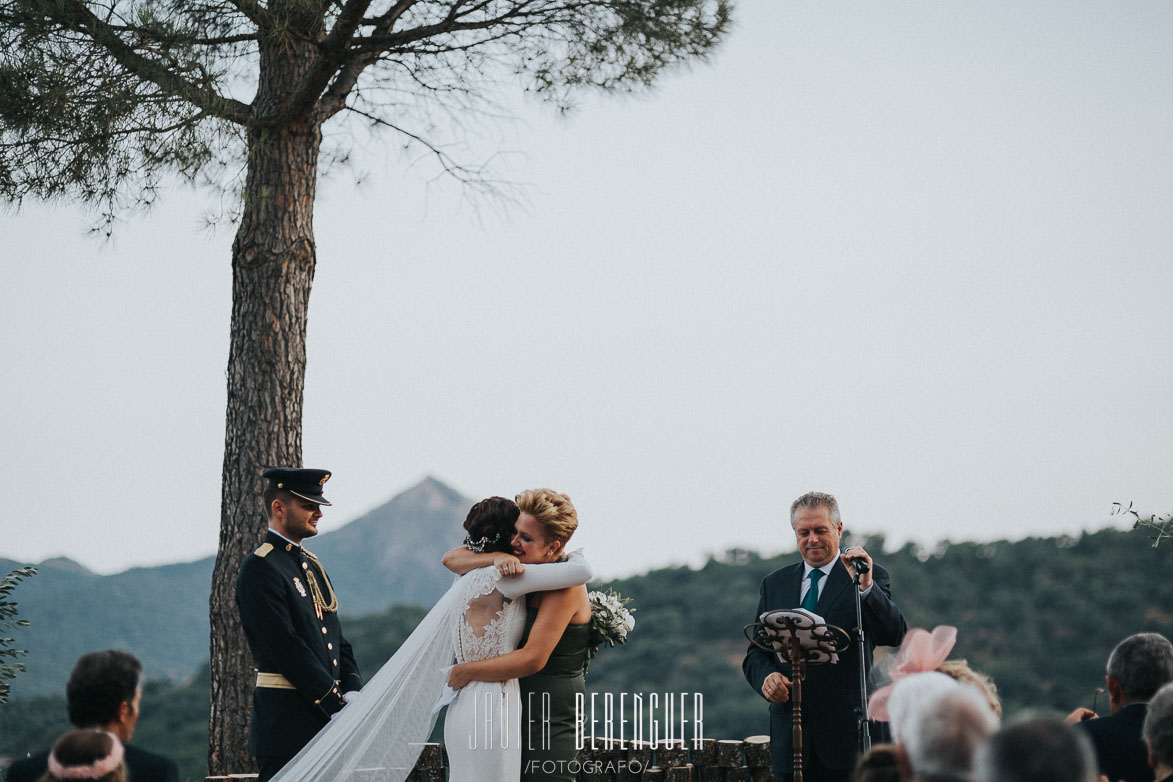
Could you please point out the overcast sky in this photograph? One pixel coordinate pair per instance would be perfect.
(916, 254)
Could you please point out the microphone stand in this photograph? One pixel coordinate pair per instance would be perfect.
(861, 711)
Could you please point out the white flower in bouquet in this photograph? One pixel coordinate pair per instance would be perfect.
(611, 620)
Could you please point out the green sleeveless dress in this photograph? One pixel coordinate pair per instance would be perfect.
(548, 750)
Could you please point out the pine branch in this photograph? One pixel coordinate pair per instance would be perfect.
(80, 19)
(255, 12)
(367, 49)
(333, 55)
(459, 171)
(131, 130)
(383, 42)
(334, 99)
(387, 21)
(219, 40)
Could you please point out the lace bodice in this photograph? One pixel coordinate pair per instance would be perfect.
(494, 617)
(492, 624)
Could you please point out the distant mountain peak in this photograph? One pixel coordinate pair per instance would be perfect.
(67, 565)
(430, 494)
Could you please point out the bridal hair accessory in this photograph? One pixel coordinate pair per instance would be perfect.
(921, 651)
(97, 769)
(479, 545)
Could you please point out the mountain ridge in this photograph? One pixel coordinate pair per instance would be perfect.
(388, 556)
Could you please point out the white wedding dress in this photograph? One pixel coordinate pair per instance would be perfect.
(379, 736)
(482, 731)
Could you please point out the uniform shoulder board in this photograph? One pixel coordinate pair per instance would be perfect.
(264, 549)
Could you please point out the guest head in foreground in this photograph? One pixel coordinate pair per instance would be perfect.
(1139, 666)
(87, 754)
(881, 763)
(938, 724)
(104, 692)
(1158, 733)
(1036, 749)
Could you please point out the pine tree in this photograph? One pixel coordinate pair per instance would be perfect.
(101, 102)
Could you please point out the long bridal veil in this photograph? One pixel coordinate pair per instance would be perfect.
(379, 736)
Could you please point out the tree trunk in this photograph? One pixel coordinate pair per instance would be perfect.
(273, 260)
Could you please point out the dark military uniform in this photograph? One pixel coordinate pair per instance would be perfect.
(304, 664)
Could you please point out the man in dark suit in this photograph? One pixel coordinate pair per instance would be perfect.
(1139, 666)
(830, 692)
(104, 692)
(305, 668)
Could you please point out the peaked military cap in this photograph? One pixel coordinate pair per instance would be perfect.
(299, 482)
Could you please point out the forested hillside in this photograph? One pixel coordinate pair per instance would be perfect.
(1039, 615)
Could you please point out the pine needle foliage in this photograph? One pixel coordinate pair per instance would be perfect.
(9, 668)
(102, 101)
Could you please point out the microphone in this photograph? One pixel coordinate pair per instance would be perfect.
(860, 564)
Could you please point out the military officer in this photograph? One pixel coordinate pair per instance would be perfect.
(305, 668)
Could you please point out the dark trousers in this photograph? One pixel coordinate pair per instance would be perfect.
(813, 770)
(269, 765)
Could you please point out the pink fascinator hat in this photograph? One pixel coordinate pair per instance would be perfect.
(921, 651)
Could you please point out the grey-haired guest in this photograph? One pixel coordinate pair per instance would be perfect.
(1139, 666)
(1158, 733)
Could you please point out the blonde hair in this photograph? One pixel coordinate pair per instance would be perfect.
(552, 510)
(960, 670)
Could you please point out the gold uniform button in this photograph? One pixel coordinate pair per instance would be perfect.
(323, 631)
(335, 663)
(330, 647)
(317, 702)
(305, 566)
(289, 547)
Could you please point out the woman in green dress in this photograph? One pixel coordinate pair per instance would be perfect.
(551, 661)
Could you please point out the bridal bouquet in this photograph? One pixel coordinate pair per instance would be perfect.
(611, 621)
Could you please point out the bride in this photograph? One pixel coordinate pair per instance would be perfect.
(378, 736)
(550, 663)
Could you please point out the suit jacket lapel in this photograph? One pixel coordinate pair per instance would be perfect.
(837, 581)
(790, 584)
